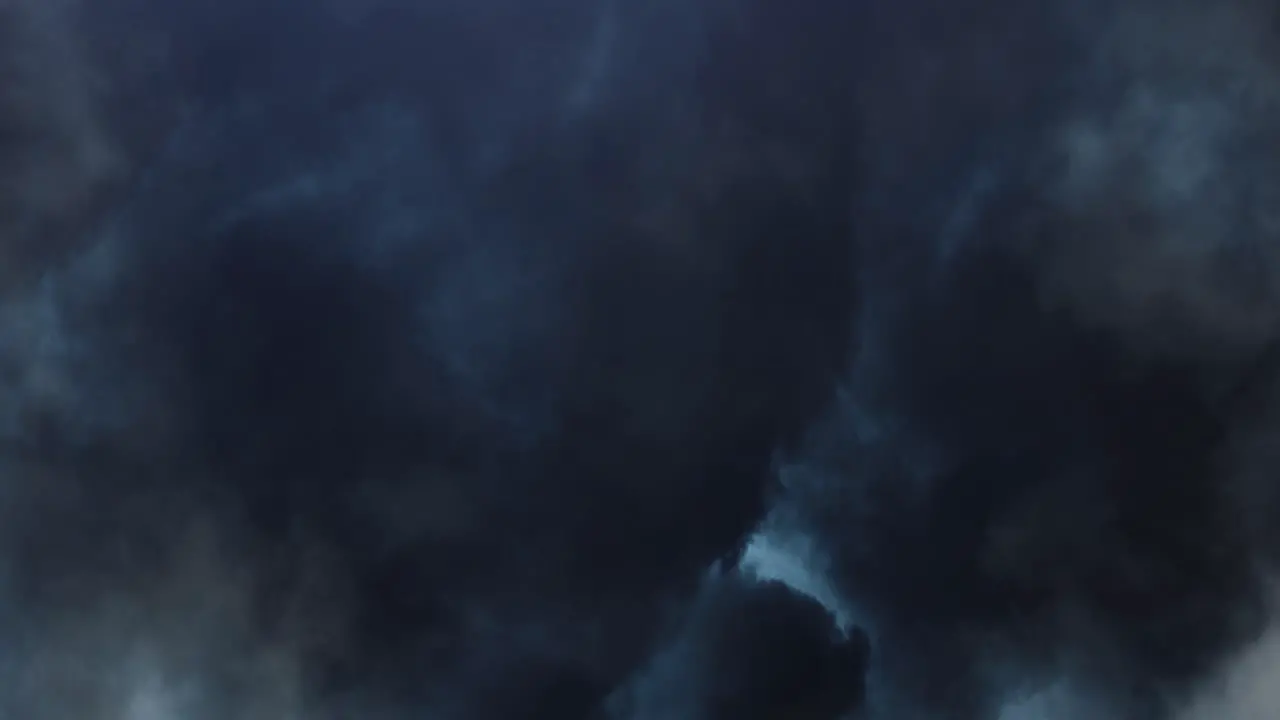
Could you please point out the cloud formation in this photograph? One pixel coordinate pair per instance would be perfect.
(387, 359)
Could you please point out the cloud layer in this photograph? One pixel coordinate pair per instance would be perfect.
(387, 359)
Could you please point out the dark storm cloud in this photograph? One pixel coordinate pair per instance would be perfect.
(426, 355)
(750, 649)
(1036, 470)
(430, 356)
(60, 162)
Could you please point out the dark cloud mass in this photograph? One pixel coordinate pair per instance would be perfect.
(613, 360)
